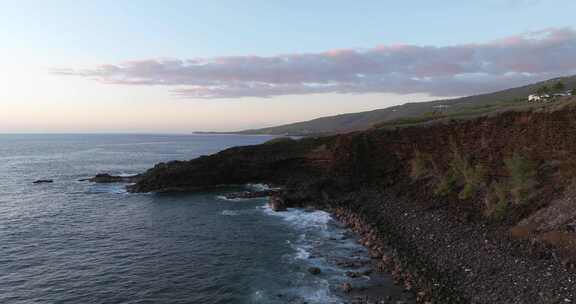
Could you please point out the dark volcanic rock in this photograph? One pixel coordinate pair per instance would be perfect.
(274, 163)
(277, 204)
(353, 274)
(43, 181)
(251, 194)
(346, 287)
(107, 178)
(314, 270)
(442, 247)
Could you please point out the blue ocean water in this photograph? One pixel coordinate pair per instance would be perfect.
(78, 242)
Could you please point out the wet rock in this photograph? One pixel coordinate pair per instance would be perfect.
(346, 287)
(43, 181)
(107, 178)
(352, 263)
(277, 204)
(353, 274)
(314, 270)
(251, 194)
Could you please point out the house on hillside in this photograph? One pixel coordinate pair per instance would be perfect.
(547, 97)
(538, 98)
(562, 94)
(441, 108)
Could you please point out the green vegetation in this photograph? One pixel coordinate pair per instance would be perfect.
(573, 93)
(497, 202)
(522, 177)
(467, 179)
(414, 113)
(543, 90)
(470, 176)
(559, 87)
(459, 113)
(446, 185)
(419, 165)
(279, 140)
(516, 189)
(461, 174)
(428, 116)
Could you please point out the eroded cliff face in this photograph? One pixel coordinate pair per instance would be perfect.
(274, 162)
(454, 201)
(544, 138)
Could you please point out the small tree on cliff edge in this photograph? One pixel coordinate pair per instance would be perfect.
(543, 90)
(559, 87)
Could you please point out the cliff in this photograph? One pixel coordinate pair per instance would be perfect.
(473, 211)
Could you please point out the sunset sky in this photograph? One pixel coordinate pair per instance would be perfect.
(181, 66)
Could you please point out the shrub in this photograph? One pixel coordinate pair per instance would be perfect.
(279, 140)
(467, 192)
(471, 177)
(497, 201)
(446, 185)
(419, 165)
(522, 173)
(500, 210)
(559, 86)
(516, 189)
(543, 90)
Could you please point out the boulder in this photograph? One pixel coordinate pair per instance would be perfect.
(250, 194)
(346, 287)
(107, 178)
(43, 181)
(353, 274)
(314, 270)
(276, 203)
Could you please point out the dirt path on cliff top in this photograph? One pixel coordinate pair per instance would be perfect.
(481, 264)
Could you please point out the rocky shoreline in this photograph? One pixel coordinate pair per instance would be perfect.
(444, 259)
(475, 211)
(363, 277)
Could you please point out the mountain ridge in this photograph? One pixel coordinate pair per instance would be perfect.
(348, 122)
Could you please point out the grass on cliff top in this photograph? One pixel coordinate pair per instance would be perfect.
(472, 111)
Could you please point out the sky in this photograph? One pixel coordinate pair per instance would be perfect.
(182, 66)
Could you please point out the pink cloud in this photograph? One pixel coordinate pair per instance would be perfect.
(438, 71)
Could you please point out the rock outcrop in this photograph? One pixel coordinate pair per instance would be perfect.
(277, 204)
(43, 181)
(442, 197)
(251, 194)
(108, 178)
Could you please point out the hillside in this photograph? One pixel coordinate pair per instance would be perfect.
(364, 120)
(468, 211)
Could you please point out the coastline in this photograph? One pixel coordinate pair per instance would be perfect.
(357, 277)
(409, 193)
(443, 258)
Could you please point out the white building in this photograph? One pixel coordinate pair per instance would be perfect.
(547, 97)
(538, 98)
(562, 94)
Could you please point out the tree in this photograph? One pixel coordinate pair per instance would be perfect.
(559, 87)
(573, 93)
(543, 90)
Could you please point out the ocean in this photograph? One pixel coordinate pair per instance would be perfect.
(78, 242)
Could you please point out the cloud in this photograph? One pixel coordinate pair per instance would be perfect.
(403, 69)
